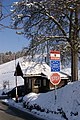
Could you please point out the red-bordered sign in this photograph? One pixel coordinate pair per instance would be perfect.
(54, 55)
(55, 79)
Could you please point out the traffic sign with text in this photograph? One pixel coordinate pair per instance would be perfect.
(55, 61)
(54, 55)
(55, 65)
(55, 79)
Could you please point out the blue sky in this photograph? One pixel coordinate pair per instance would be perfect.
(9, 40)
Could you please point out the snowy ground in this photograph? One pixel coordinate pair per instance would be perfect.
(62, 104)
(66, 106)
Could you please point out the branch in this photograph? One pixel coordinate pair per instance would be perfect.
(56, 22)
(55, 37)
(44, 39)
(10, 27)
(7, 15)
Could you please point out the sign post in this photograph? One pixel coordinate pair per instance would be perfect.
(55, 68)
(55, 80)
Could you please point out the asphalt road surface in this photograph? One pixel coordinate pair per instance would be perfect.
(8, 113)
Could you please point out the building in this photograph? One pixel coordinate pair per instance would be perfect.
(37, 77)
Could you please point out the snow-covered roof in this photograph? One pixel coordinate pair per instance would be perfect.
(30, 68)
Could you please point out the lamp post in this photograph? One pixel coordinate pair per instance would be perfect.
(16, 80)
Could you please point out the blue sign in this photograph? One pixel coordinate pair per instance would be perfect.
(55, 65)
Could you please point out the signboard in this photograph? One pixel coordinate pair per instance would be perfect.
(55, 66)
(54, 55)
(55, 61)
(55, 79)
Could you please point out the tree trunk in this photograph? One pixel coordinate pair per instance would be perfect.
(74, 49)
(74, 65)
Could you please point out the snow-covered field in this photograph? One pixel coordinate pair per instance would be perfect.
(7, 74)
(62, 104)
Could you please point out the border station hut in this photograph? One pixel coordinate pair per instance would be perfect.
(37, 76)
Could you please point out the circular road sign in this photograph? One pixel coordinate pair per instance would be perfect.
(55, 79)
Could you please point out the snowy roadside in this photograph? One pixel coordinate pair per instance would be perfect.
(65, 107)
(19, 106)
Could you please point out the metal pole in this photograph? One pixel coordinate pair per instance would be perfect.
(16, 80)
(55, 93)
(55, 98)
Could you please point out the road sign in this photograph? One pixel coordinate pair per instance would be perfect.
(54, 55)
(55, 65)
(55, 79)
(55, 61)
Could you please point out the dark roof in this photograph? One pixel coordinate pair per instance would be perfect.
(18, 71)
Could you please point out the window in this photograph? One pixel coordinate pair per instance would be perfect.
(44, 82)
(29, 83)
(38, 82)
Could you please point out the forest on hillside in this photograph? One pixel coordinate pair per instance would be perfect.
(8, 56)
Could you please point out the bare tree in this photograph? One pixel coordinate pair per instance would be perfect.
(50, 20)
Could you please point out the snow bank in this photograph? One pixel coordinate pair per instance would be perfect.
(66, 106)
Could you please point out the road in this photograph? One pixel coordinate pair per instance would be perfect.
(8, 113)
